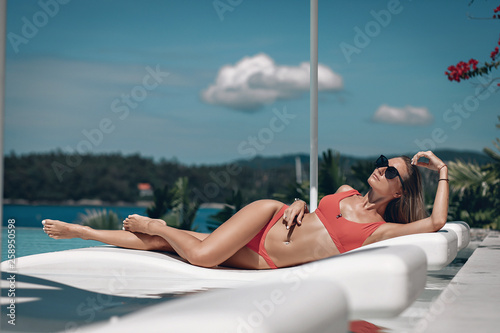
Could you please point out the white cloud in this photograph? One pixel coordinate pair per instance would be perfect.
(408, 115)
(255, 81)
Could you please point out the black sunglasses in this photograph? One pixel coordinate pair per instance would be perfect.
(391, 172)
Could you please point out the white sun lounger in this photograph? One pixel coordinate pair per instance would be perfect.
(315, 306)
(378, 282)
(462, 230)
(440, 247)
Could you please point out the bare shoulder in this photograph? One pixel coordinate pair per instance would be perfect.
(344, 188)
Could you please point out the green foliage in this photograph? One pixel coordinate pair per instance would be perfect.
(162, 202)
(490, 152)
(464, 176)
(183, 206)
(231, 206)
(475, 195)
(113, 178)
(330, 174)
(292, 191)
(361, 171)
(100, 219)
(175, 206)
(172, 219)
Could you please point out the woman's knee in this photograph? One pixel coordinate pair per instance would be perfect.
(203, 257)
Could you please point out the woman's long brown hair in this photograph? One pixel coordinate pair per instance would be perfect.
(410, 206)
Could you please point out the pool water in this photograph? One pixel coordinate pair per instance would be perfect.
(30, 241)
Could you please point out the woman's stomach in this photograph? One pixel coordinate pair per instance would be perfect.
(308, 242)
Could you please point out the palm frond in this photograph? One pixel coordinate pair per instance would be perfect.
(490, 152)
(183, 205)
(295, 190)
(331, 175)
(467, 176)
(100, 219)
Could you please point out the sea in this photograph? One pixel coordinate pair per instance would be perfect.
(29, 238)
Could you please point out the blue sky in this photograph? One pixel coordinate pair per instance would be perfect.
(205, 83)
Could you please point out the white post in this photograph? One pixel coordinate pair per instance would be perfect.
(314, 107)
(3, 32)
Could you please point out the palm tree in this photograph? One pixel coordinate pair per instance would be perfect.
(361, 171)
(331, 175)
(490, 152)
(162, 202)
(295, 190)
(174, 206)
(182, 205)
(231, 206)
(465, 176)
(100, 219)
(475, 190)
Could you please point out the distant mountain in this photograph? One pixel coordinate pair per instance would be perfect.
(465, 156)
(263, 163)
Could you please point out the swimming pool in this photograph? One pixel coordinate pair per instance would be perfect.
(30, 238)
(30, 241)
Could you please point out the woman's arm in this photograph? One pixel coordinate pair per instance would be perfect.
(294, 214)
(439, 213)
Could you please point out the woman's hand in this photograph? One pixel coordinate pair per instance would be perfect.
(294, 213)
(434, 163)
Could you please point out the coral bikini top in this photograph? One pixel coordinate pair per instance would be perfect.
(346, 235)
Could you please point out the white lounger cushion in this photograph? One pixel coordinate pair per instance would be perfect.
(378, 282)
(440, 247)
(462, 230)
(315, 306)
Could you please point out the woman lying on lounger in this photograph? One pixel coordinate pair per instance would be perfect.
(269, 234)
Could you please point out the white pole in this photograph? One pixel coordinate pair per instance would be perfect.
(314, 107)
(3, 32)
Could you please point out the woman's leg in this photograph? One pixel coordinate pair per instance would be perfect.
(139, 241)
(220, 245)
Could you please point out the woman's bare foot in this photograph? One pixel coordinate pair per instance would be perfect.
(143, 224)
(62, 230)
